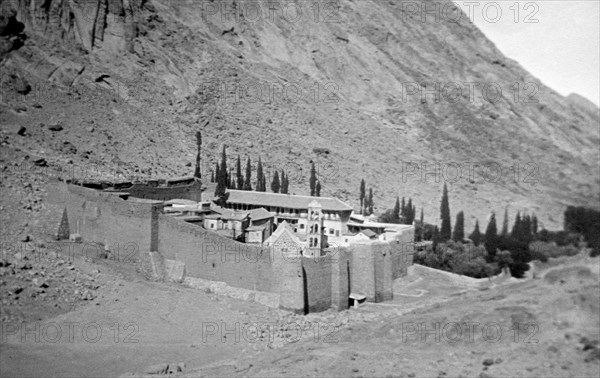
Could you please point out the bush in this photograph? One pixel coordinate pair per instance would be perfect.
(544, 250)
(459, 258)
(561, 238)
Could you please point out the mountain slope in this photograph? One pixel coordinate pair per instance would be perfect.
(144, 76)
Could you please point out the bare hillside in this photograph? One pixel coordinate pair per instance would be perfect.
(124, 85)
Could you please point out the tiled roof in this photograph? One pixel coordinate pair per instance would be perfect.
(283, 228)
(229, 214)
(260, 213)
(368, 233)
(285, 200)
(178, 201)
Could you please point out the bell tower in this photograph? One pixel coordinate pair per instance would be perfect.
(315, 229)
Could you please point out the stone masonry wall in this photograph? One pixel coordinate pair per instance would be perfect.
(191, 192)
(110, 220)
(318, 283)
(209, 256)
(302, 284)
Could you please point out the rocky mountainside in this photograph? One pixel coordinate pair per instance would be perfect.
(119, 87)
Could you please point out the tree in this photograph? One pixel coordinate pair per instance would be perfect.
(422, 222)
(248, 178)
(505, 223)
(275, 185)
(403, 211)
(516, 229)
(212, 176)
(313, 179)
(504, 259)
(217, 174)
(476, 234)
(222, 175)
(239, 176)
(446, 229)
(435, 237)
(585, 221)
(197, 173)
(491, 238)
(318, 189)
(284, 183)
(396, 212)
(260, 177)
(526, 229)
(263, 183)
(459, 227)
(410, 216)
(370, 201)
(362, 194)
(534, 225)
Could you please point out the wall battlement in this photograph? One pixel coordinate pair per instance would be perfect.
(302, 284)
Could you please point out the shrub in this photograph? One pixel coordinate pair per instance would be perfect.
(459, 258)
(544, 250)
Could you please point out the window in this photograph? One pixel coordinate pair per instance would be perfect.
(331, 231)
(212, 225)
(337, 232)
(302, 226)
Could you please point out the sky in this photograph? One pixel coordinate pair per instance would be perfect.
(557, 41)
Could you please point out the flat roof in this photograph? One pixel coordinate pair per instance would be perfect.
(188, 218)
(180, 201)
(285, 200)
(392, 226)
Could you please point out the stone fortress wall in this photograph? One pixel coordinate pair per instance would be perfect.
(298, 283)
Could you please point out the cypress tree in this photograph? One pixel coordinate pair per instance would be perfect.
(505, 223)
(435, 237)
(476, 234)
(259, 176)
(313, 179)
(248, 178)
(217, 174)
(491, 238)
(534, 225)
(239, 176)
(198, 151)
(224, 173)
(422, 221)
(516, 229)
(409, 212)
(446, 229)
(371, 201)
(318, 189)
(526, 229)
(212, 176)
(275, 185)
(284, 183)
(459, 227)
(396, 211)
(263, 183)
(222, 176)
(403, 211)
(362, 195)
